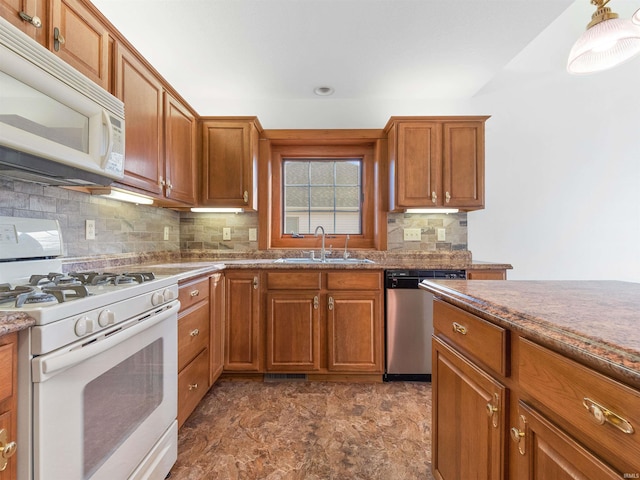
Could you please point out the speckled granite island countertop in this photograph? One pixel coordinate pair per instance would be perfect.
(14, 321)
(594, 322)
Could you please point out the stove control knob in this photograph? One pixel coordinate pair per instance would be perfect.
(106, 317)
(84, 325)
(157, 298)
(168, 295)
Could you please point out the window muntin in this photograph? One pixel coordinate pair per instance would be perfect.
(325, 192)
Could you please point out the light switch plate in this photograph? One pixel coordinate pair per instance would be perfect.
(166, 233)
(442, 234)
(226, 233)
(90, 230)
(253, 234)
(412, 234)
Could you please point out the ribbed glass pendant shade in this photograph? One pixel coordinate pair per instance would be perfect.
(604, 46)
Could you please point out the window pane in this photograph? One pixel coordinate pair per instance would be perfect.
(322, 192)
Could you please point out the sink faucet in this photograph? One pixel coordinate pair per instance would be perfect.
(323, 253)
(345, 255)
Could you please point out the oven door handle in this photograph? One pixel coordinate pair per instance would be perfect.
(48, 366)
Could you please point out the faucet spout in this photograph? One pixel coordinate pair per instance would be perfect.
(323, 253)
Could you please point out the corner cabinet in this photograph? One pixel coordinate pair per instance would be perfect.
(436, 162)
(242, 326)
(230, 162)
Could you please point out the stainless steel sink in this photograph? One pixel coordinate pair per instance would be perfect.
(343, 261)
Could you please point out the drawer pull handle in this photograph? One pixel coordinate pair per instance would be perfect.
(316, 302)
(517, 435)
(331, 303)
(603, 415)
(193, 386)
(195, 332)
(459, 328)
(492, 410)
(255, 283)
(434, 197)
(194, 293)
(7, 449)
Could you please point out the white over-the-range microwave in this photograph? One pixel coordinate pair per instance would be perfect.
(57, 127)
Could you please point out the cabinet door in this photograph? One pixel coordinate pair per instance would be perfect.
(8, 398)
(545, 452)
(216, 348)
(242, 348)
(180, 152)
(354, 332)
(419, 160)
(10, 10)
(463, 165)
(468, 418)
(141, 93)
(229, 164)
(293, 331)
(85, 40)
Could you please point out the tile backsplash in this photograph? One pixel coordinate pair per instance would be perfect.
(128, 228)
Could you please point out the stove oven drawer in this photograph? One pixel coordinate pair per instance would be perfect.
(193, 383)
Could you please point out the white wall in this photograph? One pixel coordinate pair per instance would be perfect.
(563, 167)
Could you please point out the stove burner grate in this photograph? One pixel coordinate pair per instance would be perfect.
(23, 295)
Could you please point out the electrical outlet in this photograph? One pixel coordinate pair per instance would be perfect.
(90, 230)
(226, 233)
(253, 234)
(442, 234)
(412, 234)
(166, 233)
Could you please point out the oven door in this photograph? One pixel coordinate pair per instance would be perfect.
(104, 407)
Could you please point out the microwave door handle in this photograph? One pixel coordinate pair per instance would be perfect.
(47, 366)
(106, 120)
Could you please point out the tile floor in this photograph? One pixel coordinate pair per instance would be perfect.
(308, 431)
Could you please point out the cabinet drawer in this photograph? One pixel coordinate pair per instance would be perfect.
(563, 386)
(193, 334)
(293, 280)
(484, 341)
(6, 371)
(193, 383)
(354, 280)
(193, 292)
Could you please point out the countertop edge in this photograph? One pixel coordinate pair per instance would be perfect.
(582, 348)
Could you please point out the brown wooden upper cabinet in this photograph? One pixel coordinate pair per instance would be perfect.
(230, 162)
(72, 29)
(436, 162)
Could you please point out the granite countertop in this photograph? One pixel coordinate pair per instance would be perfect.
(14, 321)
(594, 322)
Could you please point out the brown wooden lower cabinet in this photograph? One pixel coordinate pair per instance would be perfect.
(468, 418)
(8, 403)
(243, 338)
(216, 330)
(498, 274)
(543, 416)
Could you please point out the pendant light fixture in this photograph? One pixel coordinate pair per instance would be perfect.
(608, 41)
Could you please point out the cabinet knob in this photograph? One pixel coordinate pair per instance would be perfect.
(517, 435)
(245, 196)
(255, 283)
(58, 39)
(7, 449)
(193, 386)
(447, 197)
(492, 410)
(434, 197)
(459, 328)
(195, 332)
(316, 302)
(194, 293)
(331, 303)
(35, 20)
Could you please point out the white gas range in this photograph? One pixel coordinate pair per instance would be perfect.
(98, 372)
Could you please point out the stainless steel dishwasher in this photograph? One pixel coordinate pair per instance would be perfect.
(409, 323)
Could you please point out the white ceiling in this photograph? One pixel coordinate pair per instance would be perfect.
(225, 55)
(215, 51)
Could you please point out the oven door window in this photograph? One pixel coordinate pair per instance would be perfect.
(117, 402)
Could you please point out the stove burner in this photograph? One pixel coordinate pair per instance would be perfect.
(65, 293)
(95, 278)
(24, 295)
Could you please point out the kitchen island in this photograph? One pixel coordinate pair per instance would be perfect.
(554, 365)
